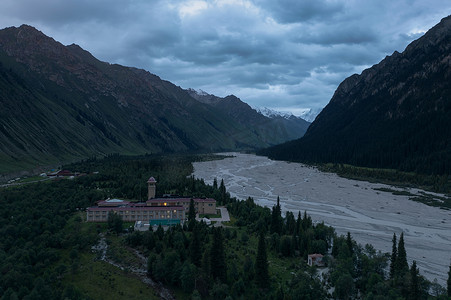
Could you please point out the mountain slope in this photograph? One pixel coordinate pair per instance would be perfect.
(275, 129)
(394, 115)
(61, 103)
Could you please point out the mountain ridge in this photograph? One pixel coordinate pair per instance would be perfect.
(275, 127)
(392, 115)
(61, 103)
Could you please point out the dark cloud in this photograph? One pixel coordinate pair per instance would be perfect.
(288, 11)
(288, 54)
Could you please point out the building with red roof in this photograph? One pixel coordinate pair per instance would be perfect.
(315, 260)
(169, 210)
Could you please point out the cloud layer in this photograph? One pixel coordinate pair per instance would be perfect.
(285, 54)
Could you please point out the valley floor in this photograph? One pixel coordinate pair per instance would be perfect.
(369, 214)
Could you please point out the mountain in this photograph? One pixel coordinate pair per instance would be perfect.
(310, 114)
(60, 103)
(271, 128)
(395, 114)
(270, 113)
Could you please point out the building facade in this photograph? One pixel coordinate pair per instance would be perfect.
(132, 212)
(168, 210)
(202, 205)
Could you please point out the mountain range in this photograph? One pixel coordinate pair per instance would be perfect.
(395, 114)
(60, 103)
(276, 126)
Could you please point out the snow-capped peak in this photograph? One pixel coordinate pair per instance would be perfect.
(199, 92)
(310, 114)
(271, 113)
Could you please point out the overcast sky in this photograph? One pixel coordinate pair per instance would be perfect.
(288, 55)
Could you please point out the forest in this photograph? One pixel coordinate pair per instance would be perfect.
(46, 247)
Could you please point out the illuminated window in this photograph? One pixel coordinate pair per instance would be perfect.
(165, 204)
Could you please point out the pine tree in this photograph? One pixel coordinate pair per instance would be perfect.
(195, 250)
(215, 183)
(414, 290)
(306, 221)
(448, 282)
(223, 192)
(394, 256)
(191, 215)
(298, 223)
(276, 218)
(401, 261)
(290, 223)
(218, 267)
(115, 222)
(261, 263)
(349, 243)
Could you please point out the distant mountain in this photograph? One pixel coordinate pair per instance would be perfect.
(396, 114)
(272, 128)
(310, 114)
(270, 113)
(60, 103)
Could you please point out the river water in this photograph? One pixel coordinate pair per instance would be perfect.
(371, 216)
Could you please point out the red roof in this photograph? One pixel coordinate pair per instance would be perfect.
(65, 173)
(135, 208)
(172, 200)
(204, 200)
(151, 180)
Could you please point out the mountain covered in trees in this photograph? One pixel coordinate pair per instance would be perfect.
(393, 115)
(60, 103)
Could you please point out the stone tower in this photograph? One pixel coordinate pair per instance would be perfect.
(151, 188)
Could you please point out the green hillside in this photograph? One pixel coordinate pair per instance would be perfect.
(60, 103)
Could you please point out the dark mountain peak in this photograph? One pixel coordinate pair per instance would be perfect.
(393, 115)
(28, 38)
(60, 102)
(433, 36)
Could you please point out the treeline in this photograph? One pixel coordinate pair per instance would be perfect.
(126, 177)
(357, 271)
(435, 183)
(38, 224)
(35, 231)
(262, 253)
(210, 263)
(247, 261)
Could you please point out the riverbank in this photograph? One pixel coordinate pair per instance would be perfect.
(369, 211)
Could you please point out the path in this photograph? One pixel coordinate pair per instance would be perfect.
(139, 270)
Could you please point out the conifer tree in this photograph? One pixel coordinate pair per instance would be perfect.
(223, 192)
(261, 263)
(401, 260)
(290, 223)
(115, 222)
(306, 221)
(448, 282)
(276, 218)
(218, 267)
(349, 243)
(191, 215)
(414, 290)
(298, 222)
(195, 250)
(215, 183)
(394, 256)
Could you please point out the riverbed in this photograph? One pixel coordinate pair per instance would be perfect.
(370, 215)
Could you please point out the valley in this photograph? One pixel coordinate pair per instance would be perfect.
(369, 214)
